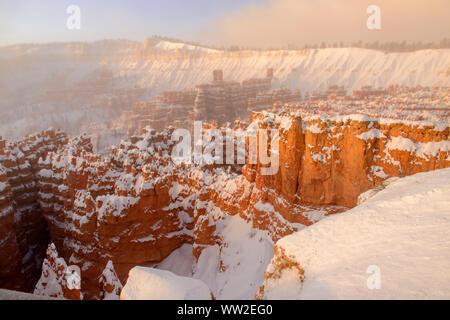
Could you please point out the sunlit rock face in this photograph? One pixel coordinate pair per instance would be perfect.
(135, 206)
(349, 155)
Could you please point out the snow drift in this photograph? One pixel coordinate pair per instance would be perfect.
(395, 245)
(153, 284)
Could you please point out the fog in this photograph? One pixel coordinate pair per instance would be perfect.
(300, 22)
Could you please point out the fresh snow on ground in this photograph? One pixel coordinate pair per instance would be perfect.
(234, 271)
(153, 284)
(402, 231)
(180, 261)
(237, 270)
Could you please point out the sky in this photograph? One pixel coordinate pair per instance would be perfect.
(45, 20)
(255, 23)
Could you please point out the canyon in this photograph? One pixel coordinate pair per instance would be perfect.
(103, 204)
(132, 206)
(70, 85)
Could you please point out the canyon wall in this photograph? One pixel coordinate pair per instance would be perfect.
(332, 161)
(135, 206)
(165, 65)
(73, 80)
(24, 233)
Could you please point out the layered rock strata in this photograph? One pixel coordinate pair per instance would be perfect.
(135, 206)
(24, 235)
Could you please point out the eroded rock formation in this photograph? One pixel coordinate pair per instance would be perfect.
(135, 206)
(57, 280)
(110, 283)
(24, 235)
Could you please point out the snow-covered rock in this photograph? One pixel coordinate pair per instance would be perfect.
(395, 245)
(153, 284)
(110, 283)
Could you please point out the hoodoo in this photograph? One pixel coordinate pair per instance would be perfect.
(136, 206)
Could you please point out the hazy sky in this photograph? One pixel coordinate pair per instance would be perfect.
(244, 22)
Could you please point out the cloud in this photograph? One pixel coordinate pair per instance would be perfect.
(282, 22)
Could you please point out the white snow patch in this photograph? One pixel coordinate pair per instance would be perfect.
(402, 229)
(420, 149)
(153, 284)
(371, 134)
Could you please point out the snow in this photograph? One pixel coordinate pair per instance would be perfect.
(282, 121)
(309, 70)
(149, 238)
(401, 230)
(318, 157)
(266, 207)
(378, 171)
(109, 278)
(421, 149)
(180, 46)
(176, 189)
(314, 129)
(288, 287)
(345, 119)
(153, 284)
(180, 261)
(3, 186)
(114, 205)
(46, 173)
(285, 123)
(237, 270)
(371, 134)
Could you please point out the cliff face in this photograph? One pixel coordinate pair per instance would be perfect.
(348, 155)
(308, 67)
(100, 209)
(135, 206)
(24, 235)
(10, 259)
(332, 161)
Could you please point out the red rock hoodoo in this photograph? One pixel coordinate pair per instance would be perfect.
(136, 206)
(24, 233)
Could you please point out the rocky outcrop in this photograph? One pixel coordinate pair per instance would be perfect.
(115, 208)
(138, 206)
(24, 231)
(279, 266)
(57, 280)
(135, 206)
(349, 155)
(110, 283)
(10, 259)
(333, 160)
